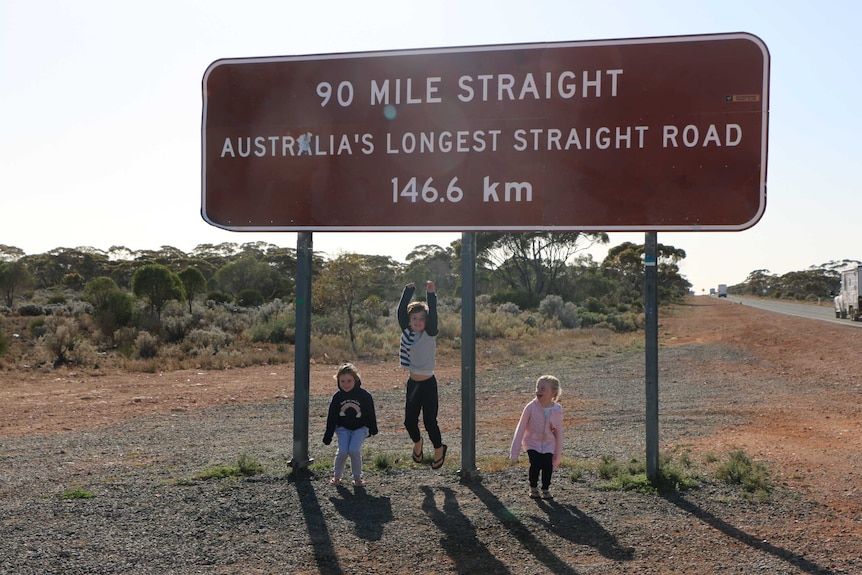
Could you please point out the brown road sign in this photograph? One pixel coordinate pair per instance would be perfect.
(639, 134)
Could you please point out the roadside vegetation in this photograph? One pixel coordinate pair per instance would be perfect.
(816, 284)
(233, 305)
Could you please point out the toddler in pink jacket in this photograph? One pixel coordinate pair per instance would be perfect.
(540, 433)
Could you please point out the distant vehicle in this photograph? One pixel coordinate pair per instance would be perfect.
(848, 302)
(711, 291)
(722, 290)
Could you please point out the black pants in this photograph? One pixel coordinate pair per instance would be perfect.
(543, 462)
(422, 397)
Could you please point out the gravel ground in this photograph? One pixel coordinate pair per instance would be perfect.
(151, 514)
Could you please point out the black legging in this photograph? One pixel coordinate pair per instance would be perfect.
(422, 396)
(543, 462)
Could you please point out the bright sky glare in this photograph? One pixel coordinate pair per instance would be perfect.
(100, 113)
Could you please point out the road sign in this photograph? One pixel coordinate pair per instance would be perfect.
(616, 135)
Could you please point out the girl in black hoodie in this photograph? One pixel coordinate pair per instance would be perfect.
(352, 418)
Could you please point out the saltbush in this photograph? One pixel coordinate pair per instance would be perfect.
(553, 306)
(175, 326)
(230, 319)
(147, 345)
(568, 316)
(595, 306)
(37, 327)
(31, 310)
(509, 307)
(281, 329)
(212, 339)
(492, 325)
(273, 309)
(625, 322)
(62, 344)
(591, 318)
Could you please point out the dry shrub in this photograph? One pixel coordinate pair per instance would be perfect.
(206, 341)
(516, 348)
(331, 349)
(146, 366)
(62, 343)
(147, 345)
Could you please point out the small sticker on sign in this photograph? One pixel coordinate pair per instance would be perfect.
(743, 98)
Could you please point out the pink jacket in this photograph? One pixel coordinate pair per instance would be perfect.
(535, 431)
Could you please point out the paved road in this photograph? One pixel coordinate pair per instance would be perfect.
(821, 312)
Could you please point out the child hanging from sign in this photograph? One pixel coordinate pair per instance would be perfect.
(418, 355)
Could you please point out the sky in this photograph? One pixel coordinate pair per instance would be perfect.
(101, 107)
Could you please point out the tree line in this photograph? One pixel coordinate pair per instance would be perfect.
(817, 283)
(141, 300)
(519, 267)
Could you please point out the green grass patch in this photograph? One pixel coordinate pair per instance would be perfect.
(678, 472)
(739, 469)
(78, 494)
(383, 462)
(246, 466)
(576, 471)
(673, 476)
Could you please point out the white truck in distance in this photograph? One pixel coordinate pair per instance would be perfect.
(848, 302)
(722, 290)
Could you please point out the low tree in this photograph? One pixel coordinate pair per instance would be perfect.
(14, 278)
(194, 283)
(113, 307)
(97, 290)
(157, 285)
(247, 273)
(584, 279)
(532, 262)
(50, 268)
(625, 264)
(344, 283)
(432, 262)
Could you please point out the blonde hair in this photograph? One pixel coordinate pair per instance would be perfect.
(554, 383)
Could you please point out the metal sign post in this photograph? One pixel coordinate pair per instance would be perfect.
(651, 349)
(468, 356)
(302, 352)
